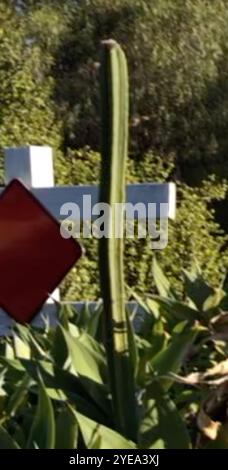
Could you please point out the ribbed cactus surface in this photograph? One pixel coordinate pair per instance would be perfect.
(115, 104)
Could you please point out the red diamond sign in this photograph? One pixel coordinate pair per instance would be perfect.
(34, 257)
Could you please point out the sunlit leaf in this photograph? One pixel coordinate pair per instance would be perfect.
(42, 433)
(161, 281)
(108, 439)
(172, 357)
(197, 289)
(162, 427)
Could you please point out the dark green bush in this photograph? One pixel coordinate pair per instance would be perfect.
(177, 55)
(26, 86)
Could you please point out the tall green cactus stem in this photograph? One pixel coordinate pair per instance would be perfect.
(114, 92)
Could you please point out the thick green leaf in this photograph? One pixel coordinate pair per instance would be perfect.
(14, 369)
(6, 441)
(94, 325)
(60, 351)
(161, 282)
(19, 396)
(171, 358)
(162, 426)
(84, 316)
(140, 301)
(158, 338)
(56, 394)
(197, 289)
(84, 360)
(31, 340)
(9, 351)
(154, 307)
(21, 349)
(66, 430)
(174, 309)
(143, 317)
(89, 361)
(97, 350)
(66, 312)
(42, 435)
(107, 438)
(90, 397)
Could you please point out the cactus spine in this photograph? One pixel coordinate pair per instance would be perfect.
(114, 92)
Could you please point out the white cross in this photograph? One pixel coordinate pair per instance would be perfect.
(33, 165)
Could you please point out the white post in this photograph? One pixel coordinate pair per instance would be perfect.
(33, 166)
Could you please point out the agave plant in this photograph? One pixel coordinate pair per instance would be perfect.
(55, 392)
(55, 389)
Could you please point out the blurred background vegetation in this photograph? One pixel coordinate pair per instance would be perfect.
(178, 63)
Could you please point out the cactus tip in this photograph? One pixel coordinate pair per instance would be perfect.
(110, 43)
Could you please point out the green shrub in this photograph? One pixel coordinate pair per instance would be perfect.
(27, 115)
(194, 234)
(177, 56)
(54, 387)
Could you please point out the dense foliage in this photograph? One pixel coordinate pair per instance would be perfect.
(193, 235)
(177, 54)
(54, 385)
